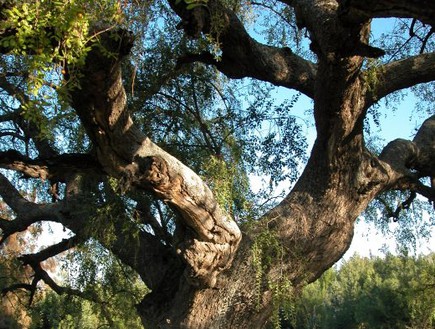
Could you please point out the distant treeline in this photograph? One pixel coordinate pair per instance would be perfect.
(393, 292)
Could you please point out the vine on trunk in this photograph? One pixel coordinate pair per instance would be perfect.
(268, 250)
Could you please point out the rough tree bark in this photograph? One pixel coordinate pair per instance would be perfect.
(208, 279)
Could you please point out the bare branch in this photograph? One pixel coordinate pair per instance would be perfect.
(407, 161)
(270, 7)
(27, 212)
(145, 215)
(242, 56)
(12, 134)
(54, 168)
(34, 260)
(51, 251)
(17, 286)
(426, 39)
(401, 74)
(360, 11)
(12, 197)
(415, 185)
(402, 206)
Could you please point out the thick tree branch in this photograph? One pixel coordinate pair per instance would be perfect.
(27, 212)
(360, 11)
(418, 155)
(55, 169)
(242, 56)
(399, 75)
(12, 197)
(407, 161)
(8, 117)
(424, 163)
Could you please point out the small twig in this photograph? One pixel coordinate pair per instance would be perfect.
(404, 206)
(426, 39)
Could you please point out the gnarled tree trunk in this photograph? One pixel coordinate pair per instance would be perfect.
(213, 276)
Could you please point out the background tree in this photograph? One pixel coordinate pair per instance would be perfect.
(133, 174)
(390, 292)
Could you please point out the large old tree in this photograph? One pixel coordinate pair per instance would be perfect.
(121, 121)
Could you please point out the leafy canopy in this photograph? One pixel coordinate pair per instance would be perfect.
(225, 130)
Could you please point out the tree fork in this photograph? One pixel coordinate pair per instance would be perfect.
(211, 240)
(212, 236)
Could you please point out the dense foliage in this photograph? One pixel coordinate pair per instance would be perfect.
(385, 293)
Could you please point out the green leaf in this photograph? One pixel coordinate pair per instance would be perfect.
(193, 5)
